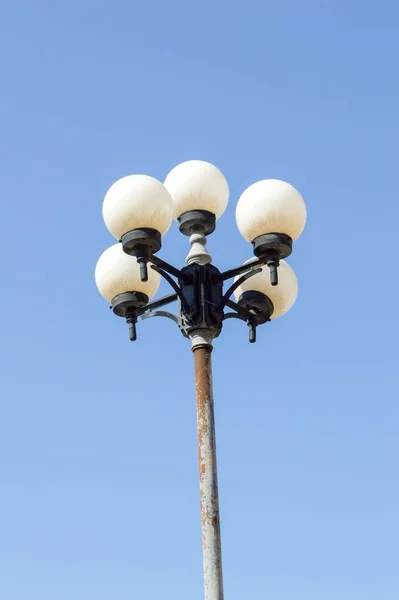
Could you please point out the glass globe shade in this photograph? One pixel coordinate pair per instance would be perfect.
(117, 273)
(197, 185)
(282, 295)
(137, 201)
(270, 206)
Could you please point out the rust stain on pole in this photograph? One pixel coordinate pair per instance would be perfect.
(211, 542)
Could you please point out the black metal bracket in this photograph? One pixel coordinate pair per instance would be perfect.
(198, 290)
(239, 310)
(157, 304)
(237, 284)
(173, 285)
(202, 291)
(160, 313)
(158, 262)
(256, 262)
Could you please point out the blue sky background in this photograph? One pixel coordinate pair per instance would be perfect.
(98, 466)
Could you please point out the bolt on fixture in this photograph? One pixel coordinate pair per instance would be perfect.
(138, 210)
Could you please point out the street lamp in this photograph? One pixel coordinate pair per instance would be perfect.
(138, 210)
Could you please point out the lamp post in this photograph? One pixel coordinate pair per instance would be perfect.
(138, 210)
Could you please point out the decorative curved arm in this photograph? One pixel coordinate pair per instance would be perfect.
(199, 289)
(160, 313)
(237, 284)
(161, 264)
(245, 314)
(157, 304)
(233, 315)
(173, 284)
(257, 262)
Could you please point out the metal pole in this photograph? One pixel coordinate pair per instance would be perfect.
(211, 543)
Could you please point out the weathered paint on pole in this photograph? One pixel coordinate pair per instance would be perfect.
(211, 542)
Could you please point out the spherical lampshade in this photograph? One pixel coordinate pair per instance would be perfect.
(197, 185)
(271, 206)
(117, 273)
(282, 295)
(135, 202)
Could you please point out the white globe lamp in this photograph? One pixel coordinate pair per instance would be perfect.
(118, 280)
(138, 210)
(137, 202)
(200, 194)
(282, 296)
(271, 214)
(270, 206)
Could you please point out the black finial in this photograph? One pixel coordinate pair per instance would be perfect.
(252, 333)
(273, 265)
(132, 329)
(143, 268)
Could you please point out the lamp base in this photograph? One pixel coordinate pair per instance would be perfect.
(140, 242)
(197, 221)
(125, 305)
(258, 304)
(273, 246)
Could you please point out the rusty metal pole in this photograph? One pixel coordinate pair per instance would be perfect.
(211, 542)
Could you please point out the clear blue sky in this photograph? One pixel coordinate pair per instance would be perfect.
(98, 466)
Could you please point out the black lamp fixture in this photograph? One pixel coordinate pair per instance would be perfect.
(139, 209)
